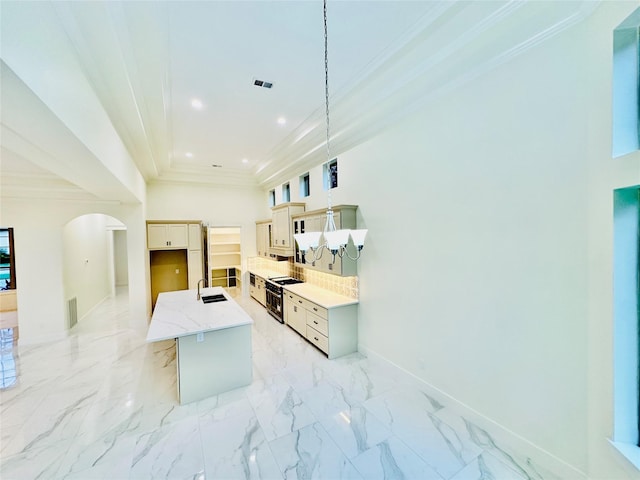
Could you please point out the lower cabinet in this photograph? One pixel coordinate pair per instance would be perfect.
(334, 331)
(296, 315)
(258, 291)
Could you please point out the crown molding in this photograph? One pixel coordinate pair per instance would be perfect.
(425, 65)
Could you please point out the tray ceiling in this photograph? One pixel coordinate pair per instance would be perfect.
(140, 66)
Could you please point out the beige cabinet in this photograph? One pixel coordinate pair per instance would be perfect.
(344, 217)
(296, 315)
(195, 236)
(281, 229)
(258, 291)
(334, 330)
(263, 241)
(282, 242)
(195, 258)
(194, 266)
(167, 236)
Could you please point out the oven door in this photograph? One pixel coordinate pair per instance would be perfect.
(274, 305)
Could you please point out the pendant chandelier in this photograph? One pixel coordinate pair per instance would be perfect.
(334, 240)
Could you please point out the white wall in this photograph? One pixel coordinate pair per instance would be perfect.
(216, 206)
(484, 239)
(87, 261)
(605, 175)
(38, 230)
(120, 257)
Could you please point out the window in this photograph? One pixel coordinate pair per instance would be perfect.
(272, 198)
(304, 185)
(626, 81)
(330, 174)
(286, 192)
(7, 260)
(626, 293)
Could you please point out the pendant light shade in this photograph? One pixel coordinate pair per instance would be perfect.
(358, 237)
(336, 239)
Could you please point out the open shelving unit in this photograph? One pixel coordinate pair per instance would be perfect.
(225, 258)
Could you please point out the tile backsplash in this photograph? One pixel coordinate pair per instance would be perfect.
(347, 286)
(259, 263)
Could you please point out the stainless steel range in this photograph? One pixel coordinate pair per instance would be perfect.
(275, 296)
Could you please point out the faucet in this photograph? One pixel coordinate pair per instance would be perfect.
(203, 281)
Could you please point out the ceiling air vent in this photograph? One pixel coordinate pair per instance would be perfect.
(262, 83)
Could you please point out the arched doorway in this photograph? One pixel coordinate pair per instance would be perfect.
(95, 263)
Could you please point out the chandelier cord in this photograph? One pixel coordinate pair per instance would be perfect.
(336, 241)
(326, 101)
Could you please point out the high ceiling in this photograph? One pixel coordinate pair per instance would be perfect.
(137, 68)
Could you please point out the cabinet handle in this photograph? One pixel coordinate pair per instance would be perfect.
(315, 309)
(315, 322)
(316, 339)
(299, 301)
(295, 308)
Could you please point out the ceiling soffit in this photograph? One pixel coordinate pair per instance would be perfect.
(124, 50)
(455, 44)
(129, 72)
(31, 131)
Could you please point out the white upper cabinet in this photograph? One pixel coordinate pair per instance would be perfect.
(282, 242)
(167, 236)
(263, 243)
(195, 236)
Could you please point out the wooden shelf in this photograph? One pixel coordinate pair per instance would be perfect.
(225, 258)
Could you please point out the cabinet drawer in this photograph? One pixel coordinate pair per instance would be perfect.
(318, 339)
(296, 300)
(315, 309)
(317, 323)
(307, 305)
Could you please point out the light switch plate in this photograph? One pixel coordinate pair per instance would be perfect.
(200, 337)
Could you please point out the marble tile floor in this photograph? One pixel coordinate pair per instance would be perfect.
(101, 404)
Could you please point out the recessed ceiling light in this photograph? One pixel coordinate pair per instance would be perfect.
(188, 155)
(244, 160)
(197, 104)
(282, 121)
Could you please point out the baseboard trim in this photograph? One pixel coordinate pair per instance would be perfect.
(55, 336)
(92, 309)
(508, 440)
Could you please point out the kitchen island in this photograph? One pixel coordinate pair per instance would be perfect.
(213, 341)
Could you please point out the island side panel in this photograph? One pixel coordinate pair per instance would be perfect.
(221, 362)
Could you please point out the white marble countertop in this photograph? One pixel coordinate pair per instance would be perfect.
(178, 314)
(320, 296)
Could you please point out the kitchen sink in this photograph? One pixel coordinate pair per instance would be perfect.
(214, 298)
